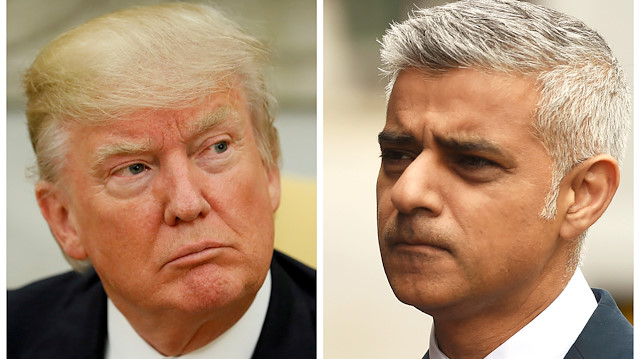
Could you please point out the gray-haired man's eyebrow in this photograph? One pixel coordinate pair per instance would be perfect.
(396, 138)
(464, 144)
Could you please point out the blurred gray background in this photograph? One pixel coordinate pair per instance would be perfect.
(289, 26)
(362, 318)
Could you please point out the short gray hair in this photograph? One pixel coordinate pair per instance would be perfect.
(585, 102)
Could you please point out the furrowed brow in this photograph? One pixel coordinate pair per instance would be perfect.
(470, 144)
(395, 138)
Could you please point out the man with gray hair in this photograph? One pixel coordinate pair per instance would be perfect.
(505, 125)
(159, 178)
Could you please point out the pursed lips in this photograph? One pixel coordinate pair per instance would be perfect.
(416, 242)
(194, 252)
(404, 234)
(410, 238)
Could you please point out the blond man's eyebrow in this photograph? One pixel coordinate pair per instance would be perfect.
(213, 119)
(120, 148)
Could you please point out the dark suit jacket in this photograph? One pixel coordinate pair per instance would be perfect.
(607, 334)
(66, 316)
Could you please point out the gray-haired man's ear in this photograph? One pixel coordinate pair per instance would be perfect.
(592, 186)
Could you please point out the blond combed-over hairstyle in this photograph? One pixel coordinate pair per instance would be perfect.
(166, 56)
(584, 106)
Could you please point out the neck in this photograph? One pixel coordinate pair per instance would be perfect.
(174, 332)
(462, 333)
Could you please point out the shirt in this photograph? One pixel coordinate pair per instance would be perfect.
(238, 342)
(549, 335)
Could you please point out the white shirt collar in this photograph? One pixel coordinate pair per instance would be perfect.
(558, 326)
(238, 342)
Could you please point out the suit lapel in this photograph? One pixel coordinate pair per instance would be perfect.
(607, 334)
(289, 327)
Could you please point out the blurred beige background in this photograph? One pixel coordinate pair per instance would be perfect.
(289, 26)
(362, 318)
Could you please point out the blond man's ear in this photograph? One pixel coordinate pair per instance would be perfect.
(273, 180)
(54, 206)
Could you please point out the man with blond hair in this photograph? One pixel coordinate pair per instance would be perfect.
(505, 125)
(158, 176)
